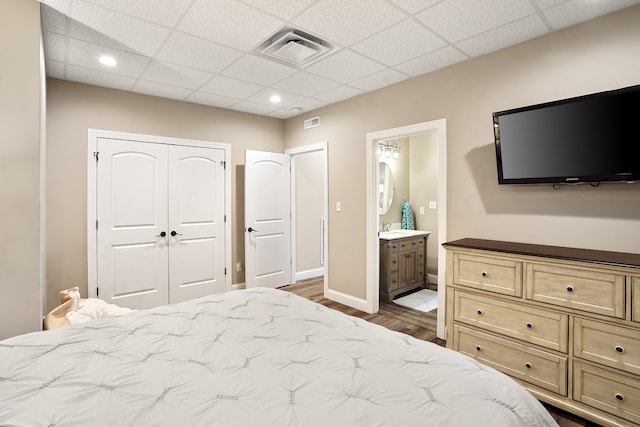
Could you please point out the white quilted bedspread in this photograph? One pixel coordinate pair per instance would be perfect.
(258, 357)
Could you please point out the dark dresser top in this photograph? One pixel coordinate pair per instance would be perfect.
(558, 252)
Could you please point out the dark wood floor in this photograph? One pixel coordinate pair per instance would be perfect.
(411, 322)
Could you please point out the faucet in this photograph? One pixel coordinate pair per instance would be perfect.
(385, 227)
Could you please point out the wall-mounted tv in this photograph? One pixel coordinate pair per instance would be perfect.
(593, 138)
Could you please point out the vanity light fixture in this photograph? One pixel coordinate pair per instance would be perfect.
(388, 149)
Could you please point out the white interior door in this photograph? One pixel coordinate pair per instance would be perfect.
(267, 219)
(196, 222)
(132, 260)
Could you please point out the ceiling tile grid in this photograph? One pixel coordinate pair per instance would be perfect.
(203, 51)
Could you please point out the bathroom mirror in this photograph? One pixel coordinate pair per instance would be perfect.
(386, 187)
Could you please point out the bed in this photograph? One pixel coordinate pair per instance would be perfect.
(256, 357)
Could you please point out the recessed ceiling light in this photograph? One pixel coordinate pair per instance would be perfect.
(108, 60)
(275, 99)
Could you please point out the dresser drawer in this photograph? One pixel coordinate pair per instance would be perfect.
(595, 291)
(635, 299)
(531, 365)
(501, 275)
(607, 344)
(608, 391)
(537, 326)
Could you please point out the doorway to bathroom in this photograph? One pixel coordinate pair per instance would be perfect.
(425, 145)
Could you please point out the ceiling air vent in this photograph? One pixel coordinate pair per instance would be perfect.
(294, 47)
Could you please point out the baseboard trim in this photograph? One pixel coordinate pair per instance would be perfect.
(309, 274)
(237, 286)
(350, 300)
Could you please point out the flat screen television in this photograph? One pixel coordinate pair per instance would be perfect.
(593, 138)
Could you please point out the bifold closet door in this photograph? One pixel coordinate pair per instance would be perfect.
(196, 222)
(160, 211)
(132, 198)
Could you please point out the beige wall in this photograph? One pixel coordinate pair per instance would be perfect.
(20, 167)
(73, 108)
(424, 188)
(401, 182)
(309, 208)
(594, 56)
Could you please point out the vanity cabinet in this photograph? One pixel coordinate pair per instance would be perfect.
(563, 322)
(402, 265)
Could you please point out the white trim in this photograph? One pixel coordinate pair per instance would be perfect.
(309, 274)
(43, 183)
(372, 219)
(92, 146)
(348, 300)
(321, 146)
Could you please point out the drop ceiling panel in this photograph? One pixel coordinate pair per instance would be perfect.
(575, 11)
(230, 23)
(345, 66)
(285, 9)
(139, 36)
(522, 29)
(432, 61)
(384, 78)
(348, 22)
(253, 69)
(175, 75)
(203, 50)
(194, 52)
(404, 41)
(87, 55)
(231, 88)
(306, 84)
(162, 90)
(459, 19)
(98, 78)
(163, 12)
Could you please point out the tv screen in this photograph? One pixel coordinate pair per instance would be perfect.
(593, 138)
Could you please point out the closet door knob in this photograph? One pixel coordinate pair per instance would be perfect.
(175, 233)
(162, 234)
(251, 229)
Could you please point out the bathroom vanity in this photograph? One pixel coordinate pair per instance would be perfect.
(403, 259)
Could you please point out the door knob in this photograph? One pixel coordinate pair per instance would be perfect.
(250, 229)
(175, 233)
(162, 234)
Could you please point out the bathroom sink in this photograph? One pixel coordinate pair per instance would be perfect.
(400, 234)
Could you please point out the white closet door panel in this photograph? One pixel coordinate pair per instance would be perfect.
(131, 206)
(196, 218)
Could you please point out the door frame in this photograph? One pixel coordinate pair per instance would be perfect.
(372, 274)
(321, 146)
(92, 192)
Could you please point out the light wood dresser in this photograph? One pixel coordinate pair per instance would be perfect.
(563, 322)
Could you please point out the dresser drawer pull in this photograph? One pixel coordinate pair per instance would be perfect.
(529, 325)
(620, 349)
(478, 348)
(620, 397)
(528, 365)
(569, 288)
(484, 274)
(479, 312)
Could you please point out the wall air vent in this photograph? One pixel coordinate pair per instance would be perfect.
(311, 123)
(294, 47)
